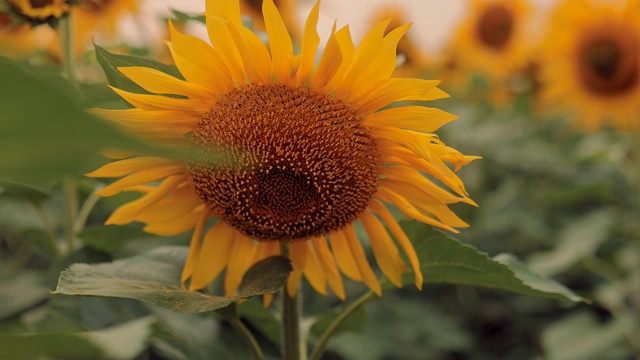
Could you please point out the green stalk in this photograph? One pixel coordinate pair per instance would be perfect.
(246, 335)
(291, 314)
(71, 210)
(66, 42)
(337, 322)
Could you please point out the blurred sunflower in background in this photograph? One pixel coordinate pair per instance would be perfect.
(412, 62)
(16, 40)
(287, 9)
(285, 158)
(492, 41)
(96, 20)
(591, 63)
(40, 11)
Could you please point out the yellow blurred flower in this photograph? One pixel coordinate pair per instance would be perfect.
(282, 153)
(98, 17)
(591, 63)
(16, 40)
(492, 41)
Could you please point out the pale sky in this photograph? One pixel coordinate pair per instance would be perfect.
(432, 20)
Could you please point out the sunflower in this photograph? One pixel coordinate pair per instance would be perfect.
(591, 63)
(287, 9)
(285, 158)
(16, 40)
(91, 18)
(40, 11)
(413, 62)
(492, 40)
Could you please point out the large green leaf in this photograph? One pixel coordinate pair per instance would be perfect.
(20, 292)
(111, 62)
(446, 260)
(44, 134)
(154, 277)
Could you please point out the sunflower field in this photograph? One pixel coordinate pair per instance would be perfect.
(241, 181)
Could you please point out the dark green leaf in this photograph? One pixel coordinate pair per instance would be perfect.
(356, 322)
(44, 135)
(32, 193)
(446, 260)
(111, 62)
(111, 237)
(58, 346)
(155, 277)
(20, 292)
(262, 319)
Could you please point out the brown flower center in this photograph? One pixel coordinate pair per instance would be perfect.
(36, 4)
(495, 26)
(5, 21)
(295, 163)
(609, 61)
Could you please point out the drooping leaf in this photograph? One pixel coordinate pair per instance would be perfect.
(111, 62)
(154, 277)
(446, 260)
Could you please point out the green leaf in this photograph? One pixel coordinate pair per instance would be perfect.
(154, 277)
(122, 342)
(580, 336)
(446, 260)
(20, 292)
(580, 239)
(44, 135)
(262, 319)
(111, 237)
(356, 322)
(32, 193)
(111, 62)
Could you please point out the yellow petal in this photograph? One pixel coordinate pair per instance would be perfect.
(173, 226)
(214, 255)
(347, 50)
(311, 267)
(152, 118)
(368, 276)
(310, 41)
(157, 82)
(406, 207)
(194, 249)
(384, 250)
(128, 212)
(330, 269)
(142, 177)
(240, 260)
(127, 166)
(407, 176)
(293, 282)
(419, 118)
(343, 256)
(254, 54)
(279, 42)
(401, 238)
(219, 14)
(387, 91)
(329, 63)
(156, 102)
(198, 62)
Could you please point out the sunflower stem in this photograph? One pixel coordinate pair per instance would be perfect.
(66, 42)
(85, 211)
(246, 335)
(337, 322)
(291, 314)
(291, 309)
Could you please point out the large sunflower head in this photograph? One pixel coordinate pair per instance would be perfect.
(284, 151)
(591, 63)
(41, 11)
(492, 39)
